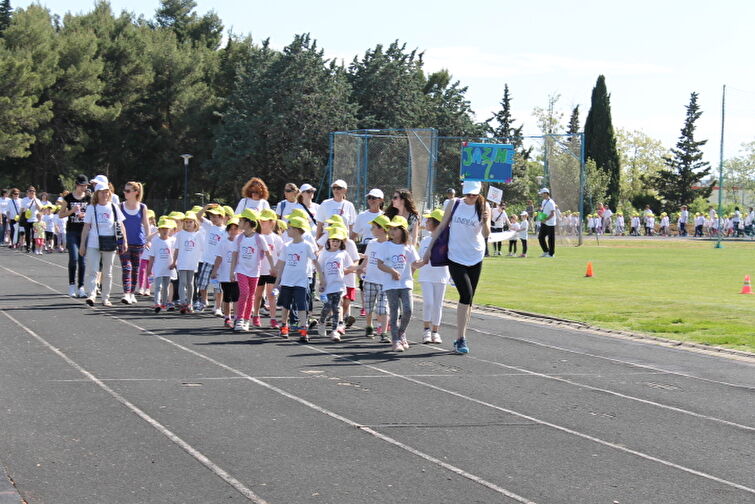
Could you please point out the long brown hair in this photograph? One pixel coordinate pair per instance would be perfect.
(406, 195)
(139, 189)
(256, 184)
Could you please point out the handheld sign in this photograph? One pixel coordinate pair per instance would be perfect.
(495, 195)
(487, 162)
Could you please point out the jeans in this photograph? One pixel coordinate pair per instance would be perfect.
(74, 259)
(399, 298)
(682, 229)
(332, 305)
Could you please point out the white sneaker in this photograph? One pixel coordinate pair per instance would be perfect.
(436, 338)
(218, 312)
(126, 299)
(238, 326)
(404, 342)
(72, 291)
(427, 337)
(397, 346)
(82, 293)
(246, 326)
(545, 254)
(335, 336)
(132, 298)
(321, 331)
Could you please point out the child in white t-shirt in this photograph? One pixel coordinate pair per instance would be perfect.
(664, 224)
(399, 260)
(524, 225)
(433, 280)
(214, 234)
(222, 271)
(375, 302)
(335, 263)
(144, 282)
(161, 263)
(267, 223)
(293, 268)
(189, 250)
(513, 226)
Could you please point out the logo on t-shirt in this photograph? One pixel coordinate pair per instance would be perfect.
(293, 259)
(332, 267)
(399, 261)
(189, 245)
(215, 238)
(164, 252)
(247, 252)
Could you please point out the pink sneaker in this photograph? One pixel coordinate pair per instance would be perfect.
(363, 313)
(274, 323)
(257, 321)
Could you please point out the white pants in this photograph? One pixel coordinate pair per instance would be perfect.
(432, 301)
(92, 266)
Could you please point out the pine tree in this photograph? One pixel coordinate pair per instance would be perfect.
(677, 183)
(573, 122)
(600, 141)
(6, 12)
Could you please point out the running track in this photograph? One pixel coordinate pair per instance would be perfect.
(120, 405)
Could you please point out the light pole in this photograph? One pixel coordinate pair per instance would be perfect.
(186, 158)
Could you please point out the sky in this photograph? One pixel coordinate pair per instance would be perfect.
(652, 53)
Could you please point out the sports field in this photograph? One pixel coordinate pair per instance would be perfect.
(675, 289)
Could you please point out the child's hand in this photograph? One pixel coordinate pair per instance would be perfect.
(172, 265)
(322, 287)
(214, 275)
(420, 263)
(395, 274)
(83, 251)
(273, 272)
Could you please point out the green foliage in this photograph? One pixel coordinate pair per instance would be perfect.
(596, 185)
(739, 176)
(679, 182)
(642, 157)
(6, 14)
(600, 142)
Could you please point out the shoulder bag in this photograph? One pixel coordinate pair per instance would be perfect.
(439, 252)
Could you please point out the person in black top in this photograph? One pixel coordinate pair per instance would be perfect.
(75, 208)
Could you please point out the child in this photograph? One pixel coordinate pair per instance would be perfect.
(144, 282)
(524, 225)
(60, 224)
(267, 222)
(214, 233)
(399, 260)
(250, 252)
(161, 263)
(49, 219)
(649, 224)
(699, 222)
(664, 224)
(513, 226)
(39, 236)
(375, 302)
(293, 268)
(433, 280)
(221, 270)
(350, 279)
(189, 250)
(334, 264)
(619, 224)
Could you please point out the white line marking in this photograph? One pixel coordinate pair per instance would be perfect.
(383, 437)
(201, 458)
(434, 387)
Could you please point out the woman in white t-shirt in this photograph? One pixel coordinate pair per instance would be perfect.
(254, 196)
(306, 195)
(101, 219)
(469, 221)
(289, 203)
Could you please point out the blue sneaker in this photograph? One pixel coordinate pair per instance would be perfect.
(460, 346)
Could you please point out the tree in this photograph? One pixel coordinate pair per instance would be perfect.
(679, 182)
(179, 16)
(642, 157)
(6, 13)
(739, 175)
(600, 142)
(573, 128)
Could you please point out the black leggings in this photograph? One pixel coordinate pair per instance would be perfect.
(465, 278)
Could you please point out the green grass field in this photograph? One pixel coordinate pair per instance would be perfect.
(680, 290)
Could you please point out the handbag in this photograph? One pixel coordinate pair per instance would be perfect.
(439, 252)
(106, 243)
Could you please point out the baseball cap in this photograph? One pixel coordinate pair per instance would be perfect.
(399, 221)
(268, 214)
(376, 193)
(436, 214)
(99, 179)
(299, 222)
(101, 186)
(307, 187)
(381, 220)
(82, 179)
(250, 214)
(339, 183)
(471, 187)
(544, 190)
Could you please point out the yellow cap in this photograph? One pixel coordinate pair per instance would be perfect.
(166, 223)
(337, 234)
(176, 215)
(436, 214)
(196, 209)
(150, 214)
(382, 221)
(335, 219)
(250, 214)
(228, 211)
(399, 221)
(191, 215)
(232, 220)
(282, 224)
(218, 210)
(299, 223)
(267, 215)
(298, 212)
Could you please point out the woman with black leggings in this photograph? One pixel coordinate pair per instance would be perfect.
(469, 221)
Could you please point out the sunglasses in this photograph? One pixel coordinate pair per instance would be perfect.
(396, 197)
(129, 190)
(372, 197)
(336, 188)
(289, 190)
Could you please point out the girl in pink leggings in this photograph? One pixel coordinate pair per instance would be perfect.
(144, 280)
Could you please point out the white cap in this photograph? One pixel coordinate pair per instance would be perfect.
(340, 183)
(376, 193)
(544, 190)
(306, 187)
(524, 212)
(101, 186)
(471, 187)
(100, 179)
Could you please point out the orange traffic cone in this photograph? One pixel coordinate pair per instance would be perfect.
(588, 273)
(747, 288)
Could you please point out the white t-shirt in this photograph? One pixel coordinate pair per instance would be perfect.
(32, 204)
(162, 251)
(331, 207)
(362, 225)
(105, 222)
(399, 257)
(259, 205)
(251, 255)
(372, 273)
(351, 249)
(498, 217)
(60, 223)
(548, 206)
(428, 272)
(684, 216)
(465, 242)
(333, 264)
(274, 245)
(298, 259)
(523, 227)
(225, 251)
(49, 221)
(284, 208)
(4, 202)
(13, 208)
(213, 236)
(190, 249)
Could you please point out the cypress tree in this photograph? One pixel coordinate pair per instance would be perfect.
(574, 122)
(600, 141)
(6, 11)
(676, 183)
